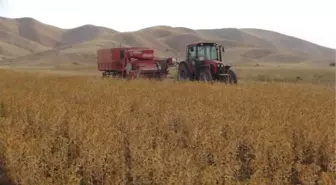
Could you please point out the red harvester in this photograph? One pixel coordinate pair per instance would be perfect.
(132, 62)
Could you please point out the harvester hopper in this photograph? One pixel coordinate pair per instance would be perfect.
(132, 62)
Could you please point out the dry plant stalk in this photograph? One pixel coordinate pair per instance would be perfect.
(81, 130)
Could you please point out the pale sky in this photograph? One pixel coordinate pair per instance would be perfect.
(312, 20)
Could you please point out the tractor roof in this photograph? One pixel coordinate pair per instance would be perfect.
(201, 43)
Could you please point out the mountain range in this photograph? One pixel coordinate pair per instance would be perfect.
(28, 41)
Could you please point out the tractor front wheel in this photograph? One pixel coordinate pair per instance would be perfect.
(230, 77)
(233, 77)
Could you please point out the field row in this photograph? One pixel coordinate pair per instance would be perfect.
(72, 130)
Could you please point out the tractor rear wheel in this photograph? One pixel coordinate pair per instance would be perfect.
(182, 73)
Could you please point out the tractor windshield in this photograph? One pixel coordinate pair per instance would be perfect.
(207, 52)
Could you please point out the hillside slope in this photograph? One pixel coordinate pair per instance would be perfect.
(24, 36)
(291, 43)
(28, 41)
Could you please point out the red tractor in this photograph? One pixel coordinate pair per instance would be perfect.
(204, 62)
(132, 62)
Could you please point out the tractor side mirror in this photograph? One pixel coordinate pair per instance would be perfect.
(191, 49)
(221, 48)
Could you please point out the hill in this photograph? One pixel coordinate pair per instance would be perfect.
(27, 36)
(30, 42)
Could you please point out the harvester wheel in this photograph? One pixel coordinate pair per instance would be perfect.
(160, 77)
(113, 75)
(137, 74)
(105, 74)
(117, 75)
(182, 73)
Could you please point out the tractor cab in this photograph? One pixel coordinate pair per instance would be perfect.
(204, 52)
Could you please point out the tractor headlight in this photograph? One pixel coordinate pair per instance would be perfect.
(220, 67)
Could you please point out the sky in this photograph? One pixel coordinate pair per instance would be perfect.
(312, 20)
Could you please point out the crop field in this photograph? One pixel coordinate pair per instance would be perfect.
(78, 130)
